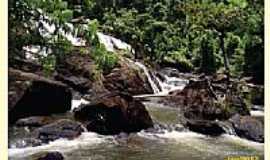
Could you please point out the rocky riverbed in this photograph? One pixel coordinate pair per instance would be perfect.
(131, 112)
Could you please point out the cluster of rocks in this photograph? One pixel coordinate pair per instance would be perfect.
(34, 99)
(205, 102)
(208, 103)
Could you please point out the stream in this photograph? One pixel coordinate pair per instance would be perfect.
(170, 142)
(165, 144)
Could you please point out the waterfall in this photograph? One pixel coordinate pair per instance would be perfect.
(162, 87)
(112, 43)
(149, 78)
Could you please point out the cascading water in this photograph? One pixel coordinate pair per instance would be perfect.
(149, 78)
(162, 87)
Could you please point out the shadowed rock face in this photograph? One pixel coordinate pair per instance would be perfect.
(31, 95)
(248, 127)
(114, 113)
(61, 129)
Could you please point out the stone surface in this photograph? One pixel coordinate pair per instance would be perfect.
(31, 95)
(248, 127)
(128, 78)
(60, 129)
(114, 113)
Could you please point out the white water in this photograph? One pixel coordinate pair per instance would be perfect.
(162, 88)
(61, 145)
(150, 80)
(195, 141)
(76, 103)
(112, 44)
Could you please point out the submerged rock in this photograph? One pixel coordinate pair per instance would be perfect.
(32, 95)
(61, 129)
(114, 113)
(248, 127)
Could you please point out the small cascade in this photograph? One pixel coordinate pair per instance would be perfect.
(163, 87)
(149, 77)
(227, 127)
(112, 43)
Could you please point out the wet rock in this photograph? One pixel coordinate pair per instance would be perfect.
(205, 127)
(61, 129)
(49, 156)
(200, 100)
(248, 127)
(114, 113)
(80, 72)
(32, 95)
(127, 78)
(35, 121)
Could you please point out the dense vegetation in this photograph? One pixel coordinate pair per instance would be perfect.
(198, 35)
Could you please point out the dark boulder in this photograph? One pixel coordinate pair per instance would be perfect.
(203, 107)
(248, 127)
(114, 113)
(205, 127)
(198, 101)
(33, 95)
(60, 129)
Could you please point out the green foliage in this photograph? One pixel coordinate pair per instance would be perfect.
(105, 60)
(48, 64)
(28, 17)
(208, 50)
(208, 35)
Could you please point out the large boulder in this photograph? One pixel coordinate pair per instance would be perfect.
(114, 113)
(248, 127)
(198, 101)
(79, 72)
(30, 95)
(63, 128)
(204, 105)
(127, 77)
(201, 100)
